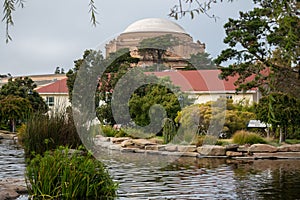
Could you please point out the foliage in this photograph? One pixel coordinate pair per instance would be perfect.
(169, 130)
(202, 118)
(192, 7)
(147, 96)
(24, 87)
(18, 100)
(156, 48)
(47, 132)
(109, 131)
(207, 140)
(252, 39)
(64, 175)
(245, 137)
(13, 108)
(285, 111)
(200, 61)
(90, 66)
(137, 133)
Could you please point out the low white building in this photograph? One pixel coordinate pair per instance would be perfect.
(55, 95)
(206, 85)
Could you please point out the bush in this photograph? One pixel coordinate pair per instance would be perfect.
(207, 139)
(62, 175)
(57, 130)
(245, 137)
(137, 133)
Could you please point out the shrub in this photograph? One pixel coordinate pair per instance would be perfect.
(136, 133)
(62, 175)
(57, 130)
(207, 139)
(245, 137)
(169, 130)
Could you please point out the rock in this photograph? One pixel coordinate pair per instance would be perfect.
(141, 143)
(211, 150)
(244, 148)
(171, 148)
(151, 147)
(234, 154)
(161, 147)
(295, 148)
(1, 137)
(6, 194)
(128, 150)
(256, 148)
(119, 139)
(187, 148)
(101, 138)
(284, 148)
(114, 147)
(12, 188)
(8, 136)
(232, 147)
(127, 143)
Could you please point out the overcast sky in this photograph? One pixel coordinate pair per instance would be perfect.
(49, 34)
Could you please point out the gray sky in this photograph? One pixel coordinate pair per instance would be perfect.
(54, 33)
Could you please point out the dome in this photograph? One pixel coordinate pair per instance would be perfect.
(154, 25)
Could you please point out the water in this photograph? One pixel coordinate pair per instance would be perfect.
(12, 162)
(159, 177)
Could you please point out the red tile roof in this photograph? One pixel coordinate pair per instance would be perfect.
(199, 80)
(58, 87)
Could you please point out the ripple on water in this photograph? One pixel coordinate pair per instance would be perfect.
(12, 162)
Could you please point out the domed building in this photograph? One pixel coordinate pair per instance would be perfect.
(153, 27)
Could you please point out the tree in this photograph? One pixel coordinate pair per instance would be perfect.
(155, 48)
(285, 113)
(91, 65)
(13, 108)
(24, 88)
(209, 117)
(193, 7)
(252, 39)
(200, 61)
(150, 95)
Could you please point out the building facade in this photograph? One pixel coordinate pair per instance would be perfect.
(153, 27)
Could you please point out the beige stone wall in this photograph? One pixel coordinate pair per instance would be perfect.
(132, 40)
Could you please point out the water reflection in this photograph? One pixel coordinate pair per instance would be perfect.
(159, 177)
(143, 176)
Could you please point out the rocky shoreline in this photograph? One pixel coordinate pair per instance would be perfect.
(231, 151)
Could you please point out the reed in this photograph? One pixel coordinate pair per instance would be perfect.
(60, 174)
(245, 137)
(47, 132)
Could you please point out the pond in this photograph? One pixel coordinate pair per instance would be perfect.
(143, 176)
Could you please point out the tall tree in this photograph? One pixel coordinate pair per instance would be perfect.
(24, 88)
(252, 39)
(13, 108)
(200, 61)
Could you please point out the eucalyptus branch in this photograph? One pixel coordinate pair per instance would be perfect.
(93, 11)
(192, 7)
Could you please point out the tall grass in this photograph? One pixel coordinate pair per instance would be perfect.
(61, 175)
(47, 132)
(245, 137)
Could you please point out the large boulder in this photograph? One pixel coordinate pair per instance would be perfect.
(12, 188)
(211, 150)
(119, 139)
(186, 148)
(262, 148)
(141, 143)
(289, 148)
